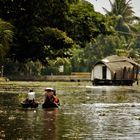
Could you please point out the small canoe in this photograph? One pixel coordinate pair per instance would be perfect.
(50, 105)
(29, 105)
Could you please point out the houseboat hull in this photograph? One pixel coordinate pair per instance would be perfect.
(102, 82)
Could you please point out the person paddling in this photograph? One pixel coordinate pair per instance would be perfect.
(51, 100)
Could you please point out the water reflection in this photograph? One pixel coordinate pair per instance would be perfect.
(86, 113)
(50, 123)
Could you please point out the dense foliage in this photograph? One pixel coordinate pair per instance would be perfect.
(84, 24)
(6, 38)
(34, 19)
(65, 32)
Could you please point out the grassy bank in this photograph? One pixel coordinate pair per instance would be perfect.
(25, 86)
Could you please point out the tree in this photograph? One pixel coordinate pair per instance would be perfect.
(135, 45)
(44, 44)
(123, 8)
(102, 47)
(6, 38)
(56, 43)
(123, 18)
(33, 20)
(84, 23)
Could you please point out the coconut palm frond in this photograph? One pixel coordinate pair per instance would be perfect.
(106, 11)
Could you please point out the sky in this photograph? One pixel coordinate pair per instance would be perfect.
(98, 4)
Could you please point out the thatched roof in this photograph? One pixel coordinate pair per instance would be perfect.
(116, 58)
(116, 63)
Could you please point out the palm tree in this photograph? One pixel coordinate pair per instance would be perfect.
(122, 12)
(6, 37)
(123, 8)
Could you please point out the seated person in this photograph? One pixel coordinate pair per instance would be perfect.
(30, 100)
(50, 98)
(31, 96)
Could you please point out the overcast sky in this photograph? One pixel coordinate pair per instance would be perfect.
(98, 4)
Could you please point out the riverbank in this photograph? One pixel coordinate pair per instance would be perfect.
(74, 77)
(3, 79)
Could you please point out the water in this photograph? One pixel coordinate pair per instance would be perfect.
(86, 113)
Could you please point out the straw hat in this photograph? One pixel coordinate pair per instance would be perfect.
(49, 89)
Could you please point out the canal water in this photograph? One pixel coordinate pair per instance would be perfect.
(86, 113)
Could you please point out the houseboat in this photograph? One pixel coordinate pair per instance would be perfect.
(115, 70)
